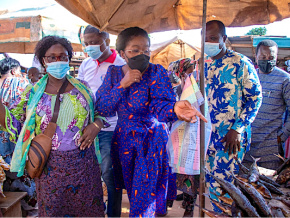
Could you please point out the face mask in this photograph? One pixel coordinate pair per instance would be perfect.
(94, 51)
(139, 62)
(57, 69)
(266, 66)
(212, 49)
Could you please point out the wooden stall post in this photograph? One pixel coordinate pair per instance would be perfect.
(202, 125)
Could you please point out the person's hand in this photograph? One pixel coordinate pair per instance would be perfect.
(184, 111)
(89, 134)
(232, 139)
(131, 76)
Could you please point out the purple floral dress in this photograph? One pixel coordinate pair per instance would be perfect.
(70, 184)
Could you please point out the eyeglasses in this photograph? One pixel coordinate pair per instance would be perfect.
(136, 52)
(57, 58)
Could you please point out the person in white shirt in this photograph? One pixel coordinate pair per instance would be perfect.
(93, 70)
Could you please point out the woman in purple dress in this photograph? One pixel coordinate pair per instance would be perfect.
(70, 184)
(141, 94)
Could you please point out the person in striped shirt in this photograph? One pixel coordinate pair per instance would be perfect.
(270, 130)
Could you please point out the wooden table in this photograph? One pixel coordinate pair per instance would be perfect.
(11, 205)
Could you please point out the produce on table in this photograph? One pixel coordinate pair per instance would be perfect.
(284, 165)
(226, 208)
(254, 171)
(225, 200)
(262, 189)
(283, 176)
(277, 212)
(271, 188)
(211, 213)
(268, 180)
(235, 193)
(253, 195)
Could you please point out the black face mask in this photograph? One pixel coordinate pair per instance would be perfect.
(266, 66)
(139, 62)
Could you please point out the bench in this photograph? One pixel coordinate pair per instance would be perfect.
(11, 205)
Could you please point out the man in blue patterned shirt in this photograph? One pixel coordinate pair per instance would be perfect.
(234, 95)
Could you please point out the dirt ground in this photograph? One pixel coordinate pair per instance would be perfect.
(175, 211)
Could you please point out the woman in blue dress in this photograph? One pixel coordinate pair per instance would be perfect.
(141, 94)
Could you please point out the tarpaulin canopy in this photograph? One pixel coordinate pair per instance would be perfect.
(166, 52)
(21, 30)
(162, 15)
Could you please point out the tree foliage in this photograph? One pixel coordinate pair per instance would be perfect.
(260, 31)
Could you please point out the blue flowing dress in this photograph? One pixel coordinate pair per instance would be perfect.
(139, 157)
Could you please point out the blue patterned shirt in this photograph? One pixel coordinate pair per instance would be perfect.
(234, 94)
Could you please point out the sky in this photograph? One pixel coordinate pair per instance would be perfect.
(48, 8)
(18, 4)
(280, 28)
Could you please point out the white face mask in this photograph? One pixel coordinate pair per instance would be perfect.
(212, 49)
(94, 51)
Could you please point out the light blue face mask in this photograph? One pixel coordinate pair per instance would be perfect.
(212, 49)
(57, 69)
(94, 51)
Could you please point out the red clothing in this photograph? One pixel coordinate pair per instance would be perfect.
(110, 59)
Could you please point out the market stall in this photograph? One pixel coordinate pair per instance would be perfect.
(166, 52)
(153, 16)
(246, 45)
(21, 34)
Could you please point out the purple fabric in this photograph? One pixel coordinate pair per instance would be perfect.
(172, 188)
(138, 151)
(70, 185)
(62, 141)
(65, 146)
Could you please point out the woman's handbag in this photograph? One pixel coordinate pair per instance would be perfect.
(41, 144)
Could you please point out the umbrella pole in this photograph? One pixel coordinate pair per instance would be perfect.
(202, 124)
